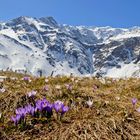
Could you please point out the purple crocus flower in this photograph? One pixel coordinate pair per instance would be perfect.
(58, 106)
(30, 109)
(134, 101)
(26, 78)
(44, 101)
(48, 107)
(21, 111)
(38, 105)
(16, 119)
(64, 109)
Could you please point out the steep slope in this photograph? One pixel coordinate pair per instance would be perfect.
(34, 45)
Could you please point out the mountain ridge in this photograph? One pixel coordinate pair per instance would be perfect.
(41, 44)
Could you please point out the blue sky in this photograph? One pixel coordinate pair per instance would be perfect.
(115, 13)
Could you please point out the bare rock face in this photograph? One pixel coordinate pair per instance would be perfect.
(34, 45)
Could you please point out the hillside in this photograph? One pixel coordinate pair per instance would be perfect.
(99, 109)
(35, 45)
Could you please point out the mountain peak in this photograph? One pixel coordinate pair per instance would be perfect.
(32, 20)
(20, 20)
(23, 18)
(49, 20)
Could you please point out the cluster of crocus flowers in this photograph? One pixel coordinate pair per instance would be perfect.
(42, 108)
(22, 112)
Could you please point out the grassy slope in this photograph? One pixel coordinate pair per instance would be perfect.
(111, 117)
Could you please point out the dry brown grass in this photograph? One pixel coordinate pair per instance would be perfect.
(110, 117)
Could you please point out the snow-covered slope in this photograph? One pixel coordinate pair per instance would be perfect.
(42, 45)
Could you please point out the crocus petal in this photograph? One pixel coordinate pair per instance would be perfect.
(16, 119)
(64, 109)
(58, 106)
(134, 101)
(38, 105)
(21, 111)
(48, 108)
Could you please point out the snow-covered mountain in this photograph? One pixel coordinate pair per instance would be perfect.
(42, 45)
